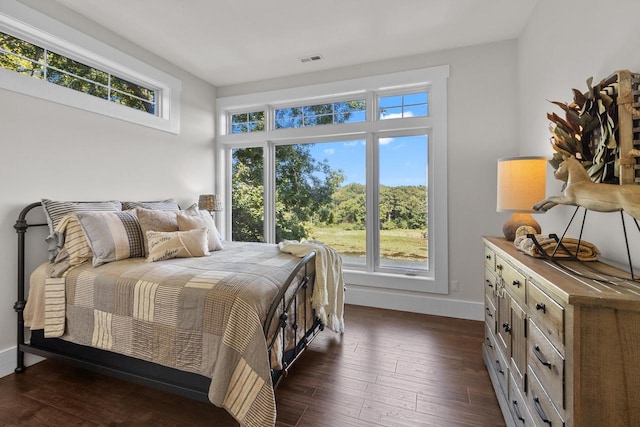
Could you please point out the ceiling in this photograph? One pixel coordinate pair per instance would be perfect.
(228, 42)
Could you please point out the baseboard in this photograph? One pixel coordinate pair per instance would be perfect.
(413, 302)
(8, 361)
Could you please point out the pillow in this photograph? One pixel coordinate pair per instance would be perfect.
(204, 220)
(55, 211)
(158, 220)
(74, 243)
(112, 236)
(177, 244)
(163, 205)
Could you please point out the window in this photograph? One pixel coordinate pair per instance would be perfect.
(47, 61)
(28, 59)
(321, 114)
(403, 105)
(374, 189)
(247, 122)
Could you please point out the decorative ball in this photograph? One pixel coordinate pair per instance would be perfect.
(524, 230)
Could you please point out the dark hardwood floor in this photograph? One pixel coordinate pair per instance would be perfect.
(390, 368)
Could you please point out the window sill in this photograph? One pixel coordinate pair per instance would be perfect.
(427, 284)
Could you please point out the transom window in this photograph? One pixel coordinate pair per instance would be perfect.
(413, 104)
(321, 114)
(32, 60)
(247, 122)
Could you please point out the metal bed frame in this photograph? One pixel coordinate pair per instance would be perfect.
(283, 315)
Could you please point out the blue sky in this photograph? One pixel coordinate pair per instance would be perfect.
(403, 160)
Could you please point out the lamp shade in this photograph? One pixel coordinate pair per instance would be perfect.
(521, 183)
(210, 202)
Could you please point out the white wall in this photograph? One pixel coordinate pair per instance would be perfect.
(53, 151)
(565, 43)
(482, 120)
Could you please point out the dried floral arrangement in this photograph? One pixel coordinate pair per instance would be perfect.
(588, 130)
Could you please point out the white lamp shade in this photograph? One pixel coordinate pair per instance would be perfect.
(521, 183)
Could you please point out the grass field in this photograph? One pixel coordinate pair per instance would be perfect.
(394, 244)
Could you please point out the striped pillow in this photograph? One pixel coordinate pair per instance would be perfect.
(112, 235)
(55, 211)
(161, 205)
(75, 242)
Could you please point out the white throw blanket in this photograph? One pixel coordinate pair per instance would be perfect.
(328, 292)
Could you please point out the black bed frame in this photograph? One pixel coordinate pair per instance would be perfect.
(172, 380)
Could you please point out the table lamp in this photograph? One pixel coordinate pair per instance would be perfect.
(521, 184)
(210, 202)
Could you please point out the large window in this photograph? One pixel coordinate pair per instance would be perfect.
(60, 64)
(342, 173)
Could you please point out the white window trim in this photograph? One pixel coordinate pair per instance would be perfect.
(436, 124)
(35, 27)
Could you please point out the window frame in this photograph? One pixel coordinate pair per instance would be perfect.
(34, 27)
(434, 125)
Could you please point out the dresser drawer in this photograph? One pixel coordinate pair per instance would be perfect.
(543, 412)
(547, 363)
(514, 281)
(490, 284)
(490, 314)
(518, 406)
(501, 367)
(489, 259)
(490, 344)
(548, 312)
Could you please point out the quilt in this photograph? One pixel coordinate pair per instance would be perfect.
(203, 315)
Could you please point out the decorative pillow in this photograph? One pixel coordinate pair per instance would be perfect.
(75, 243)
(112, 236)
(55, 211)
(162, 205)
(177, 244)
(204, 220)
(158, 220)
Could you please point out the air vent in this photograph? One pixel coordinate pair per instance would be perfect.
(311, 58)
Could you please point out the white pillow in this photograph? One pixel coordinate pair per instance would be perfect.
(177, 244)
(204, 220)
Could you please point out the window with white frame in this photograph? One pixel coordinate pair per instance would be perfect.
(59, 64)
(372, 188)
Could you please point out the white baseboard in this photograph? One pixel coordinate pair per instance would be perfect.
(8, 361)
(414, 302)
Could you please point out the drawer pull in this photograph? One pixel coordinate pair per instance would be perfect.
(516, 283)
(514, 405)
(536, 351)
(488, 256)
(499, 267)
(540, 306)
(499, 367)
(506, 326)
(540, 411)
(488, 312)
(489, 343)
(489, 284)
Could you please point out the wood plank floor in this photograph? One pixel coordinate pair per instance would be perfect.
(390, 369)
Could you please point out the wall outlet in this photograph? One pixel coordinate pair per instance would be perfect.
(454, 286)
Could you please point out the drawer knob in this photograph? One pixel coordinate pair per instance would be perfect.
(499, 267)
(489, 284)
(488, 312)
(540, 411)
(506, 326)
(488, 256)
(540, 306)
(499, 367)
(540, 357)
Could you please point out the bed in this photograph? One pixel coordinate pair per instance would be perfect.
(215, 324)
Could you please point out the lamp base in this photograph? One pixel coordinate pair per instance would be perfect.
(518, 220)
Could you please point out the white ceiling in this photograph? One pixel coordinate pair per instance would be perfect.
(228, 42)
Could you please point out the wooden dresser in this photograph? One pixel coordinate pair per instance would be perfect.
(561, 349)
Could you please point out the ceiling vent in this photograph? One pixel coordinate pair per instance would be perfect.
(311, 58)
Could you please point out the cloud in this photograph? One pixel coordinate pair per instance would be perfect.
(398, 115)
(329, 151)
(385, 141)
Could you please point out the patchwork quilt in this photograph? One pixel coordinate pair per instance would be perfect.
(202, 315)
